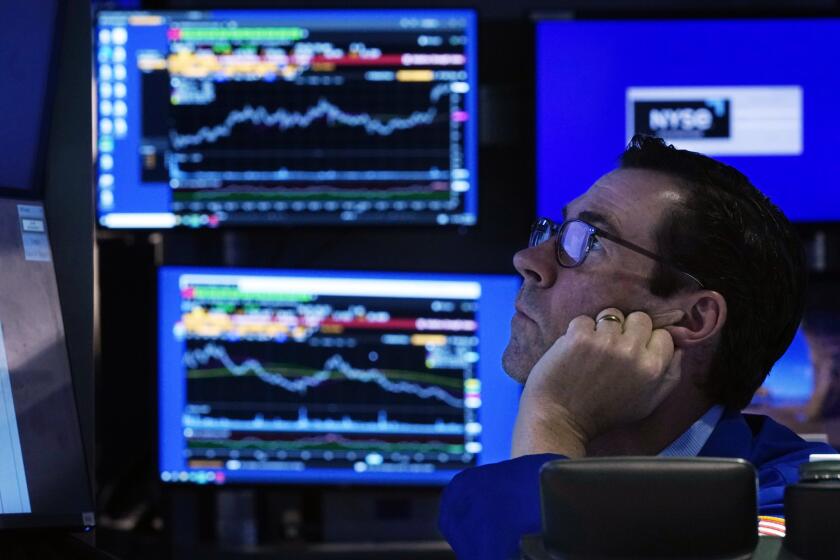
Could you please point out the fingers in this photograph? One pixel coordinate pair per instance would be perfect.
(581, 323)
(638, 326)
(667, 318)
(674, 371)
(669, 379)
(610, 320)
(661, 344)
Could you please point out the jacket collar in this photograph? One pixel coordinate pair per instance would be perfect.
(732, 437)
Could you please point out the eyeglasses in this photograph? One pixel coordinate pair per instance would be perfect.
(576, 237)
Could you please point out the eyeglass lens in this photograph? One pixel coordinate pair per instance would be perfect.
(573, 243)
(541, 231)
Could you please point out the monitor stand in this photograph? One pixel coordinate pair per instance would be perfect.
(380, 514)
(305, 519)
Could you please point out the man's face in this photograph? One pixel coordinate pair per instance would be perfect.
(628, 203)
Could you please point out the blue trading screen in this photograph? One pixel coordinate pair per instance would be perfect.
(236, 118)
(755, 94)
(803, 389)
(331, 377)
(791, 381)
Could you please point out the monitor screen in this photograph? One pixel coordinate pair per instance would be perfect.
(332, 377)
(43, 472)
(731, 89)
(259, 118)
(791, 381)
(803, 388)
(26, 69)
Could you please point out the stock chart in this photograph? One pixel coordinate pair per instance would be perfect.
(287, 117)
(284, 374)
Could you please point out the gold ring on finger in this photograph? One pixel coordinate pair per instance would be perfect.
(609, 317)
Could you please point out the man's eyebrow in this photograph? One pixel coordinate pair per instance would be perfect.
(598, 219)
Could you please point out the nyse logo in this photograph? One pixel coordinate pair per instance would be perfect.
(708, 118)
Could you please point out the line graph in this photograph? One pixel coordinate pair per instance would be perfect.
(284, 119)
(355, 141)
(389, 395)
(336, 364)
(303, 424)
(411, 190)
(332, 442)
(376, 116)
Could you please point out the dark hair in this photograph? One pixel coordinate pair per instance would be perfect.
(738, 243)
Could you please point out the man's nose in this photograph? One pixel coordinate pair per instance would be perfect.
(537, 264)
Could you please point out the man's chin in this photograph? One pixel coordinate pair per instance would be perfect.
(514, 364)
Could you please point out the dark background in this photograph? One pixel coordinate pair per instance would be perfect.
(117, 272)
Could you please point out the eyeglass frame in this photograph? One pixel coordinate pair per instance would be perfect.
(556, 230)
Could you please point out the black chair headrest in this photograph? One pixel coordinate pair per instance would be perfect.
(649, 507)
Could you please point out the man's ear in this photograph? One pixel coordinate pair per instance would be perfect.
(705, 315)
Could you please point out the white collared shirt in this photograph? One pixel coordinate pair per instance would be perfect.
(695, 437)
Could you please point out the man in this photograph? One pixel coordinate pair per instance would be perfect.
(645, 323)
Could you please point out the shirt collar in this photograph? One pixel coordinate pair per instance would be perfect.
(695, 437)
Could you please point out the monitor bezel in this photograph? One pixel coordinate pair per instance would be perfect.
(696, 12)
(474, 151)
(68, 520)
(275, 481)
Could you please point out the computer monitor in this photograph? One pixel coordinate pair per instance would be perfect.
(791, 381)
(260, 118)
(43, 472)
(332, 377)
(803, 388)
(26, 95)
(752, 93)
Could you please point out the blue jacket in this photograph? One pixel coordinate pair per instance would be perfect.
(486, 510)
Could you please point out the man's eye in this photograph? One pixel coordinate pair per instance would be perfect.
(596, 243)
